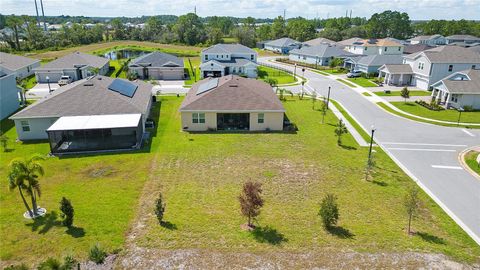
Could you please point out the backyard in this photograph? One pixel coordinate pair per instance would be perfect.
(444, 115)
(200, 177)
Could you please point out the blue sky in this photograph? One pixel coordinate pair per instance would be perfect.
(417, 9)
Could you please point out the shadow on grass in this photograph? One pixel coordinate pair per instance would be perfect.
(347, 147)
(380, 183)
(431, 238)
(75, 232)
(168, 225)
(340, 232)
(268, 235)
(43, 224)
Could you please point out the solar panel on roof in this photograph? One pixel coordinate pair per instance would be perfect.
(206, 86)
(123, 87)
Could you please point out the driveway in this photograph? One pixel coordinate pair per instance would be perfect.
(41, 90)
(427, 153)
(170, 87)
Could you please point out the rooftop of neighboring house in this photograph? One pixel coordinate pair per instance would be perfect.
(448, 54)
(231, 93)
(370, 42)
(397, 68)
(318, 41)
(425, 37)
(380, 59)
(91, 96)
(282, 42)
(463, 37)
(475, 49)
(414, 48)
(229, 48)
(75, 60)
(234, 61)
(157, 59)
(14, 62)
(462, 82)
(323, 50)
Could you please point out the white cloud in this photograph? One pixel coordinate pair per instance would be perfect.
(417, 9)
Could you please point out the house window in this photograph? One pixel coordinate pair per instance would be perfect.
(206, 57)
(385, 48)
(261, 118)
(25, 125)
(198, 118)
(420, 65)
(28, 69)
(473, 66)
(252, 57)
(366, 48)
(222, 55)
(450, 67)
(399, 48)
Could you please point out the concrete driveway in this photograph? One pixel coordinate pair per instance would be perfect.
(41, 90)
(427, 153)
(170, 87)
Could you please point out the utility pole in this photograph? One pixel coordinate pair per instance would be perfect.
(195, 10)
(328, 96)
(350, 14)
(284, 14)
(43, 17)
(36, 10)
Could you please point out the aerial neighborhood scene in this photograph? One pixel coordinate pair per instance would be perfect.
(249, 135)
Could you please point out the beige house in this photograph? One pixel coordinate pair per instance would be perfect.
(232, 103)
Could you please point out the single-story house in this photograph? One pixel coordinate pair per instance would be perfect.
(231, 103)
(282, 45)
(225, 59)
(396, 74)
(9, 101)
(77, 65)
(94, 114)
(21, 66)
(459, 90)
(318, 55)
(462, 38)
(158, 66)
(371, 63)
(319, 41)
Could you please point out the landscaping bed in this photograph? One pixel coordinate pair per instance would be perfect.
(444, 115)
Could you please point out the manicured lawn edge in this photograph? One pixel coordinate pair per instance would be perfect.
(366, 94)
(354, 123)
(347, 83)
(471, 161)
(447, 115)
(362, 82)
(413, 93)
(390, 110)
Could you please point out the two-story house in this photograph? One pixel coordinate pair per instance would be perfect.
(225, 59)
(384, 46)
(424, 68)
(466, 39)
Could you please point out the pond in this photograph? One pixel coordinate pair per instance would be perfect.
(125, 53)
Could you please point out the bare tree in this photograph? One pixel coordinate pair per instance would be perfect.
(251, 201)
(411, 203)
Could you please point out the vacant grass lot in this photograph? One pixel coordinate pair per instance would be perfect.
(413, 93)
(200, 177)
(103, 189)
(362, 82)
(282, 77)
(445, 115)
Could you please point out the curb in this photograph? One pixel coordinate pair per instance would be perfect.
(461, 159)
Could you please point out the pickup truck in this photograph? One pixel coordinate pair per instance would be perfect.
(64, 80)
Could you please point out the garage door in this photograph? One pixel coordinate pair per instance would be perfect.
(172, 74)
(422, 84)
(53, 77)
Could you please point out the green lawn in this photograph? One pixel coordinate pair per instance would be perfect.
(347, 83)
(103, 189)
(196, 64)
(471, 160)
(445, 115)
(413, 93)
(335, 71)
(30, 81)
(363, 82)
(366, 94)
(230, 40)
(117, 64)
(282, 77)
(200, 177)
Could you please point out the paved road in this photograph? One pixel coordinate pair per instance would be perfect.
(427, 153)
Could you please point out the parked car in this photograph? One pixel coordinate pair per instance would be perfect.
(354, 74)
(64, 80)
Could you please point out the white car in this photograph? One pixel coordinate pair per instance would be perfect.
(354, 74)
(64, 80)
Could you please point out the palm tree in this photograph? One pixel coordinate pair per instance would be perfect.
(24, 177)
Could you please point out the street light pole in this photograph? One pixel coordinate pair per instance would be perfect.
(295, 71)
(371, 144)
(328, 96)
(460, 110)
(48, 82)
(303, 82)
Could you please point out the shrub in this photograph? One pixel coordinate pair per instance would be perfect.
(159, 208)
(69, 262)
(329, 211)
(4, 141)
(97, 254)
(50, 264)
(67, 212)
(431, 106)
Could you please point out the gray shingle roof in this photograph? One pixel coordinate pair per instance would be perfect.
(463, 37)
(282, 42)
(14, 62)
(233, 62)
(233, 93)
(471, 86)
(397, 69)
(157, 59)
(414, 48)
(419, 38)
(318, 41)
(89, 96)
(321, 51)
(449, 54)
(70, 61)
(380, 59)
(229, 48)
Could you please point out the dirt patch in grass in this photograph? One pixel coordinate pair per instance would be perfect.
(97, 171)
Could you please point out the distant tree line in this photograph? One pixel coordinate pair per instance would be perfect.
(190, 29)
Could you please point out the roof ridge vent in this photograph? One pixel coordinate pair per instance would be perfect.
(88, 84)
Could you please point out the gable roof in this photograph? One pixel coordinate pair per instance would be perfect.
(448, 54)
(414, 48)
(282, 42)
(233, 62)
(232, 93)
(72, 60)
(318, 41)
(471, 85)
(229, 48)
(370, 42)
(321, 51)
(89, 96)
(463, 37)
(427, 37)
(380, 59)
(157, 59)
(397, 68)
(13, 62)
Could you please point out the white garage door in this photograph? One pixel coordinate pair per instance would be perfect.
(422, 84)
(172, 74)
